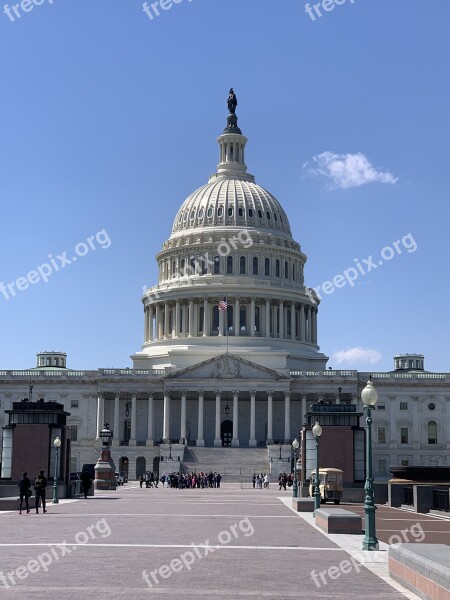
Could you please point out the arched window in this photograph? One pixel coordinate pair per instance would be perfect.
(174, 268)
(259, 213)
(432, 432)
(193, 265)
(277, 268)
(204, 266)
(182, 266)
(201, 312)
(250, 212)
(230, 319)
(243, 320)
(268, 215)
(257, 319)
(230, 211)
(209, 213)
(219, 211)
(229, 265)
(286, 270)
(242, 265)
(217, 265)
(267, 267)
(255, 265)
(215, 320)
(241, 211)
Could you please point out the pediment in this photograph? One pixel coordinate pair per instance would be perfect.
(229, 367)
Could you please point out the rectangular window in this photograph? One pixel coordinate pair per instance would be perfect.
(74, 403)
(74, 433)
(405, 462)
(403, 406)
(381, 435)
(381, 406)
(382, 468)
(403, 435)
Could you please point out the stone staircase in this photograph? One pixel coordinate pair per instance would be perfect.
(236, 465)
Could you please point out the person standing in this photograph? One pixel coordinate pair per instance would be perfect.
(40, 490)
(85, 482)
(24, 486)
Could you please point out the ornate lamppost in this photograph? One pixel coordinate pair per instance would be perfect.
(317, 432)
(57, 445)
(369, 397)
(295, 446)
(105, 478)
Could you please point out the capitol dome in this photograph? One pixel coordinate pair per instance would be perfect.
(229, 201)
(231, 277)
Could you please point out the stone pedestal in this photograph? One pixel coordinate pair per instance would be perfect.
(105, 477)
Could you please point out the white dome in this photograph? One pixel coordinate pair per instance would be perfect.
(231, 202)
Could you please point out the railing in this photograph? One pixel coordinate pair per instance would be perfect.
(323, 373)
(37, 374)
(441, 500)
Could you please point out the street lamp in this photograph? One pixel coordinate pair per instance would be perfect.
(170, 452)
(369, 397)
(317, 432)
(295, 445)
(57, 445)
(280, 452)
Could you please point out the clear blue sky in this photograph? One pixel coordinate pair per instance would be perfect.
(109, 121)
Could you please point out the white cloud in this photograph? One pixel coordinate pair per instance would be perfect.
(347, 170)
(357, 355)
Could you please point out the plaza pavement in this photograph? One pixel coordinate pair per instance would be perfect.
(213, 543)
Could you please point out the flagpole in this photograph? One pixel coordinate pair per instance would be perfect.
(226, 319)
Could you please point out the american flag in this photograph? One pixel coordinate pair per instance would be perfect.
(223, 304)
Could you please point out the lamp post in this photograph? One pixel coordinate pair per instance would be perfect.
(295, 445)
(170, 452)
(280, 452)
(317, 432)
(57, 445)
(104, 473)
(369, 397)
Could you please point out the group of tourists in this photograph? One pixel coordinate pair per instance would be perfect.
(182, 480)
(285, 479)
(260, 480)
(40, 488)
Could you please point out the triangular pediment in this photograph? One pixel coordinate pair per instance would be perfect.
(228, 367)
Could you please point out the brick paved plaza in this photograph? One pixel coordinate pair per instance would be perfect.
(257, 547)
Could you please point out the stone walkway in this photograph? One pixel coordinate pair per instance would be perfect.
(228, 543)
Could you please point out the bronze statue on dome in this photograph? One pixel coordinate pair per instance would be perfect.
(232, 102)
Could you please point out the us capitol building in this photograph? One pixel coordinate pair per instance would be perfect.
(230, 360)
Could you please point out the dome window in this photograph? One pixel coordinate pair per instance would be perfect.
(275, 216)
(281, 219)
(255, 265)
(267, 267)
(209, 213)
(277, 268)
(220, 211)
(192, 214)
(185, 216)
(229, 265)
(260, 213)
(250, 212)
(230, 211)
(268, 215)
(217, 265)
(200, 213)
(241, 211)
(242, 265)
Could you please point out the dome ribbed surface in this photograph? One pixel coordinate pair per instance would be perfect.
(231, 202)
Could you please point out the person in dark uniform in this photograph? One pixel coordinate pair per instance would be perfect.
(85, 482)
(24, 486)
(40, 489)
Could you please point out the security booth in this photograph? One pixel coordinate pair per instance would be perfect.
(28, 441)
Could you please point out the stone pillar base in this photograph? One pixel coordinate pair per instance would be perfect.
(132, 442)
(217, 443)
(200, 443)
(235, 443)
(150, 443)
(269, 441)
(252, 443)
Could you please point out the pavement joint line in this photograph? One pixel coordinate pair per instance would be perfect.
(374, 561)
(143, 514)
(214, 546)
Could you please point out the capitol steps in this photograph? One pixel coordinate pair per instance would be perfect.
(234, 464)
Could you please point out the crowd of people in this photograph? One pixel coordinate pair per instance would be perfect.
(285, 479)
(260, 480)
(181, 480)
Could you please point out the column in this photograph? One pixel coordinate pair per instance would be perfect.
(292, 320)
(133, 420)
(150, 323)
(166, 421)
(100, 414)
(338, 399)
(281, 325)
(183, 418)
(303, 407)
(237, 317)
(252, 317)
(177, 318)
(274, 321)
(158, 322)
(205, 318)
(166, 321)
(269, 418)
(316, 310)
(252, 440)
(145, 325)
(267, 318)
(184, 320)
(302, 323)
(217, 439)
(191, 318)
(150, 420)
(116, 428)
(235, 440)
(200, 440)
(287, 417)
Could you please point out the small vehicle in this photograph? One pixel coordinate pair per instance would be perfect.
(119, 479)
(330, 484)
